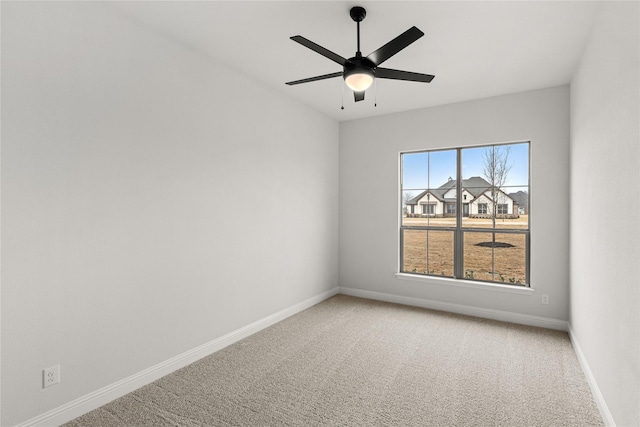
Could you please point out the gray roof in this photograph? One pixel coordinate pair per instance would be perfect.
(521, 198)
(474, 185)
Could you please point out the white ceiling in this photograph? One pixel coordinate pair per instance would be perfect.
(475, 49)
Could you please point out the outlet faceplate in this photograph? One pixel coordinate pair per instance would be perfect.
(545, 299)
(51, 376)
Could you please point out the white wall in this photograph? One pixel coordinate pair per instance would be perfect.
(369, 166)
(605, 237)
(125, 159)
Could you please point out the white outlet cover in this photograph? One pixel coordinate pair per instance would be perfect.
(50, 376)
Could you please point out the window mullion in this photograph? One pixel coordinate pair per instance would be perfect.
(458, 248)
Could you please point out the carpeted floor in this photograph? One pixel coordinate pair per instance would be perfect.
(355, 362)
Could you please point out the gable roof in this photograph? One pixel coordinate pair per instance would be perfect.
(521, 198)
(475, 185)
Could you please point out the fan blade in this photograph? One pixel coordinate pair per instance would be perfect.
(358, 96)
(313, 79)
(321, 50)
(388, 73)
(395, 45)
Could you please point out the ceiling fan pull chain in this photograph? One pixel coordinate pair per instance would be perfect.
(342, 86)
(375, 93)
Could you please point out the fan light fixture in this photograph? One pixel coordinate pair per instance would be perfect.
(358, 79)
(359, 71)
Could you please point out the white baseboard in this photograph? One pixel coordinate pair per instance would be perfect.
(505, 316)
(597, 395)
(91, 401)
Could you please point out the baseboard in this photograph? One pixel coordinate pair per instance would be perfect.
(106, 394)
(505, 316)
(597, 395)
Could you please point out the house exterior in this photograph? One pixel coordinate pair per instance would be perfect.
(522, 199)
(477, 201)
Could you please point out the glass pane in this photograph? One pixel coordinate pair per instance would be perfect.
(478, 256)
(473, 162)
(442, 188)
(477, 202)
(497, 257)
(414, 251)
(517, 214)
(510, 258)
(442, 170)
(427, 184)
(415, 171)
(495, 186)
(519, 162)
(440, 251)
(415, 178)
(428, 252)
(411, 209)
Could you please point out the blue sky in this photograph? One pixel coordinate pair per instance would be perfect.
(433, 169)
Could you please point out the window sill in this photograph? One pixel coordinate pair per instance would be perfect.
(466, 284)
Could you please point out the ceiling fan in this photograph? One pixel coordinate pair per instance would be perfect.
(358, 72)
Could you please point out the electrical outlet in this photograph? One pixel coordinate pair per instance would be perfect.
(51, 376)
(545, 299)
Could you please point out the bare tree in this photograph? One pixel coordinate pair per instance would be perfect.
(496, 171)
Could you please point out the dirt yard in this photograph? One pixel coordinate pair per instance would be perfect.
(509, 262)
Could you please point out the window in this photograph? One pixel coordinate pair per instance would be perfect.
(428, 209)
(489, 243)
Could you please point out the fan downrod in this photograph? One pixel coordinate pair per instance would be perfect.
(358, 13)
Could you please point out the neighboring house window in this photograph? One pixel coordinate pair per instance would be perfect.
(490, 246)
(428, 209)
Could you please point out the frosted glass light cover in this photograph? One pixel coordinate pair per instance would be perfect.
(359, 82)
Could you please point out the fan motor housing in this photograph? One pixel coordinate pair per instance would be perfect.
(359, 63)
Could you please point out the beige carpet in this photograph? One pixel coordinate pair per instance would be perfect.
(354, 362)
